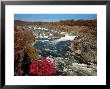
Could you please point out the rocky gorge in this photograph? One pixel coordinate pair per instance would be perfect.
(74, 51)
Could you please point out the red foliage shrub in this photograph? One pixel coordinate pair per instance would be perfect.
(43, 67)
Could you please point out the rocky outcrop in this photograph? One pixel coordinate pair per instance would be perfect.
(82, 70)
(85, 45)
(71, 67)
(24, 53)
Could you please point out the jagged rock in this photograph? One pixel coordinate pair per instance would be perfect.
(71, 68)
(84, 69)
(85, 45)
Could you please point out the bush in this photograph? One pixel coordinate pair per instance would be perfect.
(32, 53)
(43, 67)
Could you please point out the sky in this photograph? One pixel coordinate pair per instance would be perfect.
(53, 17)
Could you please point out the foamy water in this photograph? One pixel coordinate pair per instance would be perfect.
(66, 38)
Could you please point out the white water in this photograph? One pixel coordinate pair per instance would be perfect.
(66, 38)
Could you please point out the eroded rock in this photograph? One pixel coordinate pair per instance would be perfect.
(86, 46)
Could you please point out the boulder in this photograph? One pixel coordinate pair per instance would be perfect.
(86, 47)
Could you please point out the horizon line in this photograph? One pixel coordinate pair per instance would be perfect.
(53, 17)
(54, 21)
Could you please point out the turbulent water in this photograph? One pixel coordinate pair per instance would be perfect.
(59, 50)
(66, 38)
(58, 47)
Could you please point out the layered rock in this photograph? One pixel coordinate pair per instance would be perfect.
(85, 45)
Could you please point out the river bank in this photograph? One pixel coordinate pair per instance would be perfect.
(64, 50)
(67, 61)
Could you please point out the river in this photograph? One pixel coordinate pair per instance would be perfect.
(59, 50)
(55, 48)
